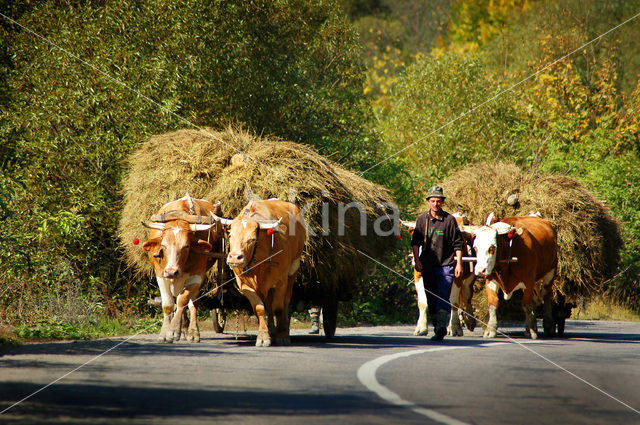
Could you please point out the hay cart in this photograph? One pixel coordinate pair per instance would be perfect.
(214, 165)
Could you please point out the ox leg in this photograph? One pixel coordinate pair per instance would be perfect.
(455, 327)
(491, 288)
(280, 309)
(530, 321)
(263, 340)
(467, 309)
(421, 326)
(168, 304)
(548, 322)
(193, 333)
(270, 315)
(176, 324)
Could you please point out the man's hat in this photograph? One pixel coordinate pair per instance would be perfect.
(435, 192)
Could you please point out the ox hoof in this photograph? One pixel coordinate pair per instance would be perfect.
(165, 339)
(420, 332)
(263, 343)
(264, 340)
(489, 334)
(283, 341)
(173, 336)
(470, 323)
(193, 336)
(455, 332)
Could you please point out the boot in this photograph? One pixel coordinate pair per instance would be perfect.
(441, 323)
(315, 321)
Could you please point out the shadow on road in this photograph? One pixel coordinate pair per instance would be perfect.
(92, 404)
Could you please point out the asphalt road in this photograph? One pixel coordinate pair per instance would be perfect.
(366, 375)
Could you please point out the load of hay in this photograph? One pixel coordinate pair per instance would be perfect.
(589, 237)
(233, 167)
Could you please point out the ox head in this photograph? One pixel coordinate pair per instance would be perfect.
(243, 237)
(485, 244)
(171, 246)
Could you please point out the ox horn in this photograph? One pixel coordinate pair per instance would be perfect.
(192, 209)
(489, 220)
(272, 225)
(470, 229)
(408, 223)
(156, 226)
(200, 227)
(224, 221)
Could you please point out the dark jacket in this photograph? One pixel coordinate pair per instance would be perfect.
(442, 241)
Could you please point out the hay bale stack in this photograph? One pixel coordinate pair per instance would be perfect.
(234, 166)
(589, 237)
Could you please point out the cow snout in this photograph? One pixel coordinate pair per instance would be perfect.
(235, 258)
(171, 273)
(480, 271)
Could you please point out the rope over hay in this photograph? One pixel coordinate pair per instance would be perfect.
(589, 237)
(234, 166)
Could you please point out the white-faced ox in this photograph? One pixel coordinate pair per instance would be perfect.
(461, 291)
(530, 240)
(266, 241)
(177, 249)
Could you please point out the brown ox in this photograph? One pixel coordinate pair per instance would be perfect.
(532, 240)
(176, 247)
(266, 241)
(461, 292)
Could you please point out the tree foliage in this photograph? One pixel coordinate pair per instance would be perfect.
(84, 82)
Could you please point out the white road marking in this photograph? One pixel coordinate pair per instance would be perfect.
(367, 376)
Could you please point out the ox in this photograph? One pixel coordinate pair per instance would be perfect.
(265, 246)
(530, 239)
(180, 237)
(461, 291)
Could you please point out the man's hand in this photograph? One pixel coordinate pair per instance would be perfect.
(458, 270)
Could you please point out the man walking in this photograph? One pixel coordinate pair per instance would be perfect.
(437, 247)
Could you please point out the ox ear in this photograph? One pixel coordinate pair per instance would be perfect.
(470, 230)
(152, 244)
(519, 231)
(502, 228)
(201, 246)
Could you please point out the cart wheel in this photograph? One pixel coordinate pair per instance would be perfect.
(330, 318)
(219, 318)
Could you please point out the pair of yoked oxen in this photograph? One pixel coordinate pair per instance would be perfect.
(511, 254)
(265, 246)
